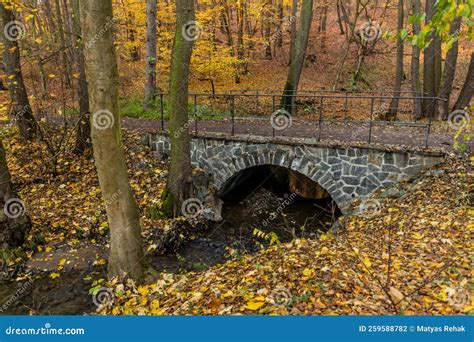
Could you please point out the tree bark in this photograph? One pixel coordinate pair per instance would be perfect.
(294, 13)
(83, 133)
(150, 70)
(126, 248)
(14, 223)
(415, 65)
(392, 114)
(296, 65)
(449, 71)
(20, 107)
(468, 88)
(429, 67)
(62, 40)
(178, 187)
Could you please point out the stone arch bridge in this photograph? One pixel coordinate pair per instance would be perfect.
(346, 172)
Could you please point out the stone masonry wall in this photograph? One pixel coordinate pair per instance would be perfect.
(346, 173)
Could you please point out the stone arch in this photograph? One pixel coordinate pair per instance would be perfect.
(223, 162)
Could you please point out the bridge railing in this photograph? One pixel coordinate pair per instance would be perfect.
(341, 116)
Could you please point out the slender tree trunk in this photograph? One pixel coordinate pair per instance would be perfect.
(339, 16)
(62, 40)
(225, 19)
(83, 133)
(296, 64)
(324, 17)
(429, 67)
(178, 188)
(399, 70)
(20, 107)
(150, 81)
(294, 13)
(126, 248)
(268, 22)
(415, 64)
(279, 42)
(449, 71)
(468, 88)
(240, 37)
(37, 55)
(14, 223)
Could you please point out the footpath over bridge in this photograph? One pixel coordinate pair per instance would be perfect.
(337, 140)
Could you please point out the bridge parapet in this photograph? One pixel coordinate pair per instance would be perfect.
(346, 172)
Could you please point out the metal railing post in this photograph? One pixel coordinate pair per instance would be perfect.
(346, 109)
(428, 131)
(232, 114)
(372, 108)
(162, 113)
(273, 112)
(370, 131)
(257, 102)
(320, 117)
(195, 115)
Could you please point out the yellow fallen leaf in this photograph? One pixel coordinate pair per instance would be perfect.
(367, 262)
(308, 272)
(54, 275)
(254, 305)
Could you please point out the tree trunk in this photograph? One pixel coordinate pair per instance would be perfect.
(178, 187)
(126, 248)
(449, 71)
(267, 20)
(429, 67)
(150, 81)
(83, 133)
(468, 88)
(14, 223)
(225, 20)
(62, 40)
(294, 13)
(415, 64)
(392, 114)
(240, 37)
(37, 55)
(279, 42)
(296, 64)
(339, 16)
(20, 107)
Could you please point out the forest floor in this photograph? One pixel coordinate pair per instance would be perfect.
(413, 255)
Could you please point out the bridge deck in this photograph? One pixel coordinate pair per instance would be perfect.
(439, 138)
